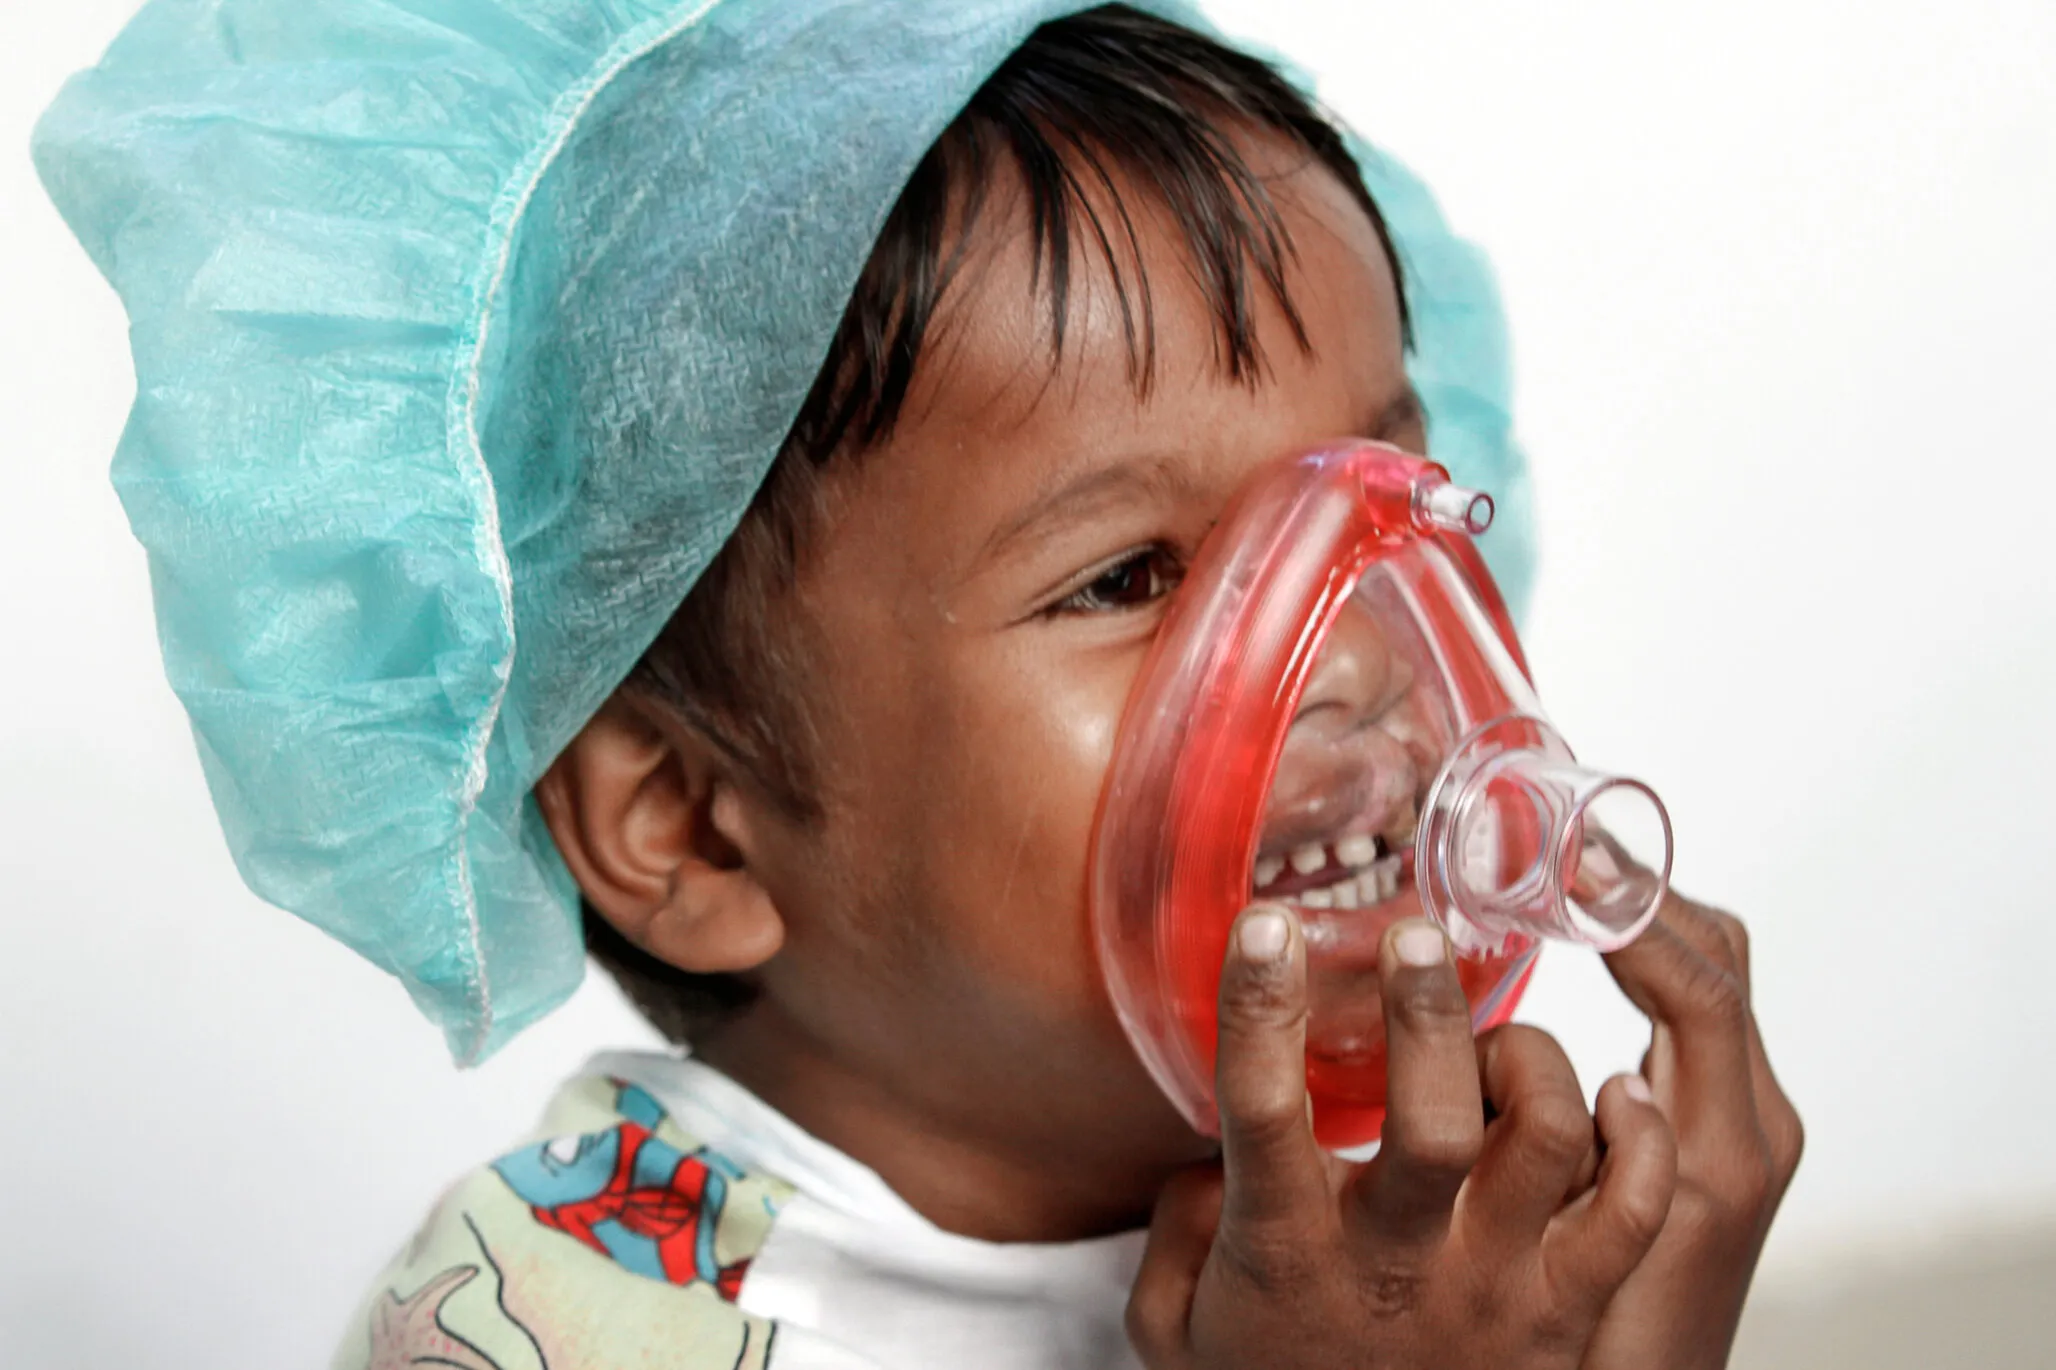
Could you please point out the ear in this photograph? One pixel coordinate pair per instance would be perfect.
(659, 837)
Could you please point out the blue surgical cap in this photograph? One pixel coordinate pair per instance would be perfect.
(464, 332)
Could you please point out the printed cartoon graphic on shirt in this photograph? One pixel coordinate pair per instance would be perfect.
(633, 1197)
(622, 1241)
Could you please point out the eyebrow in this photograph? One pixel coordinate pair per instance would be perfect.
(1113, 484)
(1103, 485)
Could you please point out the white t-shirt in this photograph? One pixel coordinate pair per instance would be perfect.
(664, 1215)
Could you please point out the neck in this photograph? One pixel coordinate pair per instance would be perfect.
(977, 1177)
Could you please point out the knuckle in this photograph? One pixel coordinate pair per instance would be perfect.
(1787, 1134)
(1557, 1128)
(1431, 1002)
(1707, 931)
(1712, 1222)
(1752, 1181)
(1268, 1259)
(1737, 1197)
(1733, 932)
(1266, 1123)
(1391, 1292)
(1260, 1001)
(1642, 1208)
(1697, 1219)
(1443, 1146)
(1713, 993)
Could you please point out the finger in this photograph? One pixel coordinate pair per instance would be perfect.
(1778, 1123)
(1180, 1235)
(1541, 1148)
(1276, 1177)
(1706, 1069)
(1708, 932)
(1766, 1123)
(1601, 1236)
(1721, 937)
(1435, 1113)
(1779, 1120)
(1703, 927)
(1782, 1129)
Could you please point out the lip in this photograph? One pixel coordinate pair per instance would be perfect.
(1346, 1021)
(1330, 788)
(1315, 821)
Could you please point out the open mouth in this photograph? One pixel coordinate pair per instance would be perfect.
(1338, 846)
(1349, 889)
(1357, 871)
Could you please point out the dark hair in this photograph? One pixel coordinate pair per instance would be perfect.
(1110, 89)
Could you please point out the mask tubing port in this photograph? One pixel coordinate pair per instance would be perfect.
(1452, 509)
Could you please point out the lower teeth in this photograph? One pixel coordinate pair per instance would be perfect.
(1367, 886)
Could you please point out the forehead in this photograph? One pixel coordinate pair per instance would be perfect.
(997, 415)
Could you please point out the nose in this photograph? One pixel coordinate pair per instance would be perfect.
(1346, 763)
(1357, 676)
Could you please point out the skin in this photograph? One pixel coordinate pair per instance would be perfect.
(972, 615)
(1499, 1225)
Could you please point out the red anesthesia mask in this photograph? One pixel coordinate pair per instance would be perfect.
(1337, 716)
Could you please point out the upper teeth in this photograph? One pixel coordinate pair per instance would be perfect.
(1358, 850)
(1356, 853)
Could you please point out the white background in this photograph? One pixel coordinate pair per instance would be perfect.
(1783, 279)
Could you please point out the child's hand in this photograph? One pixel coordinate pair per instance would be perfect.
(1738, 1143)
(1464, 1244)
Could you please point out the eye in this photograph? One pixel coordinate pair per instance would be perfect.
(1135, 581)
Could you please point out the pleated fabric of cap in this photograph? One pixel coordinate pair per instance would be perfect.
(464, 331)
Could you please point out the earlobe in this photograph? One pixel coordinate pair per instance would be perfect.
(657, 834)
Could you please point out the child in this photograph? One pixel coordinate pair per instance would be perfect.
(518, 554)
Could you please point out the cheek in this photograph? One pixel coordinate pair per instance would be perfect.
(1029, 738)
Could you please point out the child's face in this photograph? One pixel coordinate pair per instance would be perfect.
(978, 605)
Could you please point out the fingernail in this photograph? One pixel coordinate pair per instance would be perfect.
(1419, 946)
(1637, 1088)
(1264, 935)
